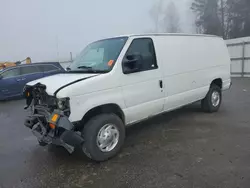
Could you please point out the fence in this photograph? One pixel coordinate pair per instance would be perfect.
(239, 50)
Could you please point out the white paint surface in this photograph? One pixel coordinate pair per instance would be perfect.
(186, 64)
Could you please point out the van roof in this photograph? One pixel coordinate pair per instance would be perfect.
(167, 34)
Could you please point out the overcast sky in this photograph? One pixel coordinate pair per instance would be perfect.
(51, 29)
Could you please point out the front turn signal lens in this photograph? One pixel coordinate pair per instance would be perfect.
(52, 126)
(55, 117)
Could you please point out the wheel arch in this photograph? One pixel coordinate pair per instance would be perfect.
(217, 81)
(101, 109)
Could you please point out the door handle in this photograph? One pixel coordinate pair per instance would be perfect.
(161, 83)
(23, 78)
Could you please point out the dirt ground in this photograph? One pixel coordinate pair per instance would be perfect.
(185, 148)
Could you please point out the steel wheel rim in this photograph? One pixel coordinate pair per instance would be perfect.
(107, 138)
(215, 99)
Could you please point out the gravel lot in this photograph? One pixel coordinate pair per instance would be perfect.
(185, 148)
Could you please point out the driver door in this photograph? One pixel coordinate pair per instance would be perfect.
(143, 90)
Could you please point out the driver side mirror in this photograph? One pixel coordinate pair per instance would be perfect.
(132, 63)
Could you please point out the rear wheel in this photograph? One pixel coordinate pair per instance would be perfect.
(103, 137)
(212, 101)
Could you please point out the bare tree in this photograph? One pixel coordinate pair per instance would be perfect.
(224, 14)
(226, 18)
(156, 14)
(171, 19)
(222, 10)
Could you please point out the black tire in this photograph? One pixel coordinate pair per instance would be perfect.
(207, 104)
(90, 132)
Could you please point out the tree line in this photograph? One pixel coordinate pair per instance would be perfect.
(165, 18)
(226, 18)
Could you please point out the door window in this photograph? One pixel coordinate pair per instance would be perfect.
(29, 70)
(143, 47)
(11, 73)
(48, 68)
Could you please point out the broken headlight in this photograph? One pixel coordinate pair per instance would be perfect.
(63, 104)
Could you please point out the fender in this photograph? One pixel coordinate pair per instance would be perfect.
(71, 83)
(83, 103)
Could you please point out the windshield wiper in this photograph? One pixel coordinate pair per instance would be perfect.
(84, 67)
(88, 69)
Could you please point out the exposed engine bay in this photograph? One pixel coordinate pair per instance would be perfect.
(49, 118)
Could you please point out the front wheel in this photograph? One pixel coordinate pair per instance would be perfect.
(212, 101)
(103, 136)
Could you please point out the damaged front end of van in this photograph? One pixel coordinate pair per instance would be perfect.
(48, 119)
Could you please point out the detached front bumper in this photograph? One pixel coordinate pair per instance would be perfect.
(62, 134)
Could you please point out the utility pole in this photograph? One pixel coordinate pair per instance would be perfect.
(57, 47)
(71, 58)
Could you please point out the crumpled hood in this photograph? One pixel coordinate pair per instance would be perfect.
(53, 83)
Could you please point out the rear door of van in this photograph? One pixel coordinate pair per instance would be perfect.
(142, 90)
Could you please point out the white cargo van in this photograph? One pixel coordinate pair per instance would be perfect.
(118, 81)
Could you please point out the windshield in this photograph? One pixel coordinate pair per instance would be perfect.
(99, 56)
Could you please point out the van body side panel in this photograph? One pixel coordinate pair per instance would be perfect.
(190, 65)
